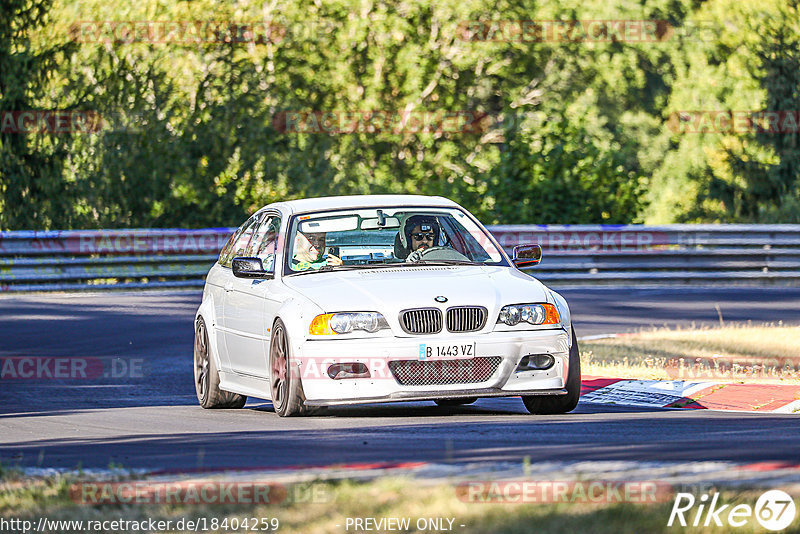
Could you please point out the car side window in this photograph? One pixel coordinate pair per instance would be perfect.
(264, 242)
(226, 250)
(238, 243)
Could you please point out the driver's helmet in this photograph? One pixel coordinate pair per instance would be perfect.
(426, 222)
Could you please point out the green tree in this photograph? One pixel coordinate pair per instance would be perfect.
(746, 63)
(557, 173)
(768, 189)
(33, 192)
(193, 139)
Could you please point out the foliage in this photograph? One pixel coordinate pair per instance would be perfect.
(33, 189)
(736, 174)
(574, 132)
(770, 190)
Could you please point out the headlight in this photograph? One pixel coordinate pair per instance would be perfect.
(342, 323)
(535, 314)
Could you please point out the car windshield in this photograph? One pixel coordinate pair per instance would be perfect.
(372, 238)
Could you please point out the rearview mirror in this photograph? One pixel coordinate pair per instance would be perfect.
(244, 267)
(527, 255)
(375, 224)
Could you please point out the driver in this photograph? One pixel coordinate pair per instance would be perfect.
(421, 233)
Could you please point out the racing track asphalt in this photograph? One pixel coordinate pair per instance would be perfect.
(153, 422)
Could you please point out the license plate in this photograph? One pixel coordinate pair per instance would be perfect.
(439, 351)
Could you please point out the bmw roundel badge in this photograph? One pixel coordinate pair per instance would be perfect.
(440, 298)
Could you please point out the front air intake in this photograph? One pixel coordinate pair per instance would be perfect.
(466, 318)
(444, 372)
(421, 321)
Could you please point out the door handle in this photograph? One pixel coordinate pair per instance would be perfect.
(229, 286)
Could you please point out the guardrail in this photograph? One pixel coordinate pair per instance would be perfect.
(679, 253)
(573, 254)
(107, 259)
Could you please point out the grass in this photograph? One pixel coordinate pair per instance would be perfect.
(382, 498)
(762, 353)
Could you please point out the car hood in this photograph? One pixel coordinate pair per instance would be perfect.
(390, 290)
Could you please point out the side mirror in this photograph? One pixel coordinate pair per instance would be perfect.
(527, 255)
(244, 267)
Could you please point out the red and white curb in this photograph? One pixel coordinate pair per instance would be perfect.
(760, 398)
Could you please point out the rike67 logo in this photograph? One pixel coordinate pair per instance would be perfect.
(774, 510)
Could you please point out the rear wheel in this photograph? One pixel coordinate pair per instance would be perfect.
(553, 404)
(455, 402)
(288, 398)
(206, 375)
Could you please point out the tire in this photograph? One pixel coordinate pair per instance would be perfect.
(555, 404)
(286, 388)
(455, 402)
(206, 375)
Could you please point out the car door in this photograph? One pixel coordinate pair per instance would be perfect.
(216, 280)
(220, 283)
(251, 303)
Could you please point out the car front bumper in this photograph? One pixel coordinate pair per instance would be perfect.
(450, 379)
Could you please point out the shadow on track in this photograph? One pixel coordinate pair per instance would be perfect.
(657, 436)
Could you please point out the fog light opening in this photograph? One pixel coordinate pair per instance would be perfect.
(338, 371)
(536, 362)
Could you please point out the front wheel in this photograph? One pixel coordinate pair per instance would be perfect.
(206, 375)
(288, 398)
(554, 404)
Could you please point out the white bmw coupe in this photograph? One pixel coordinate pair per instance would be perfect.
(367, 299)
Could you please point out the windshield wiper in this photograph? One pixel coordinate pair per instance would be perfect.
(323, 269)
(329, 268)
(445, 262)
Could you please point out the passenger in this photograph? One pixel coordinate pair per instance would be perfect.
(309, 252)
